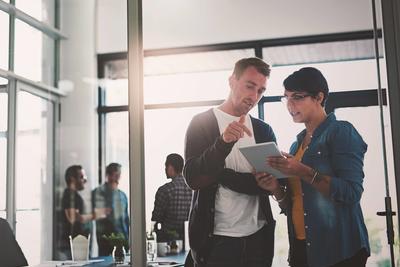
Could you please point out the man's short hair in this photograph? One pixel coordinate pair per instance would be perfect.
(72, 172)
(255, 62)
(113, 167)
(309, 80)
(176, 161)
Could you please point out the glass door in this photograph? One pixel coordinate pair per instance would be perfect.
(372, 200)
(34, 169)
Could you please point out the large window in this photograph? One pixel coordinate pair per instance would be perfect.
(26, 148)
(3, 150)
(4, 19)
(34, 181)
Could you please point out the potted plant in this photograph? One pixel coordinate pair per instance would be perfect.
(119, 243)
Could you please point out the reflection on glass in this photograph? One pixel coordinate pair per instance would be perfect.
(33, 186)
(374, 186)
(165, 131)
(4, 33)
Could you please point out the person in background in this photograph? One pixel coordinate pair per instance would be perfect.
(73, 220)
(110, 205)
(172, 202)
(231, 222)
(322, 196)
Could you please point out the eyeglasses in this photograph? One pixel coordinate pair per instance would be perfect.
(295, 98)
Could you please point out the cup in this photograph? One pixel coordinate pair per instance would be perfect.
(163, 249)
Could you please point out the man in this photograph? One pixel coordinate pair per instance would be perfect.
(172, 202)
(231, 222)
(72, 218)
(111, 208)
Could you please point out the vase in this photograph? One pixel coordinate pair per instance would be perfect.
(118, 254)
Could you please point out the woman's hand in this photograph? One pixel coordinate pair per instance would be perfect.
(288, 165)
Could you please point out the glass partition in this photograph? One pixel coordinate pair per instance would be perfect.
(34, 176)
(3, 150)
(4, 28)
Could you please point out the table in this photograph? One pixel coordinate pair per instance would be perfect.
(179, 259)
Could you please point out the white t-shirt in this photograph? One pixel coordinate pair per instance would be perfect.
(236, 214)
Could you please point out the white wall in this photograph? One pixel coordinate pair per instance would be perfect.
(175, 23)
(78, 127)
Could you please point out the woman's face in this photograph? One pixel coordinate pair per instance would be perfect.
(302, 106)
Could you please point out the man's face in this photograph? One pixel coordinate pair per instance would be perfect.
(81, 180)
(169, 171)
(246, 90)
(114, 177)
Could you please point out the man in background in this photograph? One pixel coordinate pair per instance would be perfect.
(110, 205)
(172, 202)
(73, 219)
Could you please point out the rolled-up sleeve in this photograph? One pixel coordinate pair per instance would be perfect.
(347, 158)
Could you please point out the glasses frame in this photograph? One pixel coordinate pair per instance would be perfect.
(295, 98)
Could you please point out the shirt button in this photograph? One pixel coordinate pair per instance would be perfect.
(319, 152)
(212, 210)
(308, 244)
(306, 226)
(202, 259)
(302, 194)
(210, 235)
(305, 213)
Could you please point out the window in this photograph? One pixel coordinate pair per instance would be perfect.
(3, 150)
(37, 66)
(4, 33)
(42, 10)
(34, 179)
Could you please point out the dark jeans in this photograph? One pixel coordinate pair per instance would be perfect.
(256, 250)
(300, 257)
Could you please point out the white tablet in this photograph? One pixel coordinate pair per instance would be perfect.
(257, 155)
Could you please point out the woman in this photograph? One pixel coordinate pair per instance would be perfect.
(322, 196)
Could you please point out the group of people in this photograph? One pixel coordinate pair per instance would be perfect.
(109, 210)
(231, 222)
(110, 207)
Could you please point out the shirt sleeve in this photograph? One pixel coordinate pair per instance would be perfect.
(348, 149)
(160, 205)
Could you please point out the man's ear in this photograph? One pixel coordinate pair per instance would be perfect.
(232, 79)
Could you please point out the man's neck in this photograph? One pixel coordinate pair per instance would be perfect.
(228, 108)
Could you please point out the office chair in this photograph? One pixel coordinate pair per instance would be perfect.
(11, 254)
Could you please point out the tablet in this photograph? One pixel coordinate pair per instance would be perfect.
(257, 155)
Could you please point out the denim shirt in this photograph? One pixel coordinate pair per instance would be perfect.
(335, 228)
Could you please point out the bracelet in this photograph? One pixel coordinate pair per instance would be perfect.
(282, 199)
(316, 173)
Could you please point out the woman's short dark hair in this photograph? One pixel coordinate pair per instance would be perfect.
(72, 172)
(176, 161)
(309, 80)
(255, 62)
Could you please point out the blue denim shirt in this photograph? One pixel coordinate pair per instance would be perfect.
(335, 228)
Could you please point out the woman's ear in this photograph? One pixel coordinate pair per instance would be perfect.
(320, 97)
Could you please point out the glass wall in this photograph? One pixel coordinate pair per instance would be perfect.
(4, 29)
(34, 176)
(3, 149)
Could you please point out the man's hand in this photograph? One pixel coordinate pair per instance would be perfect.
(267, 182)
(236, 130)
